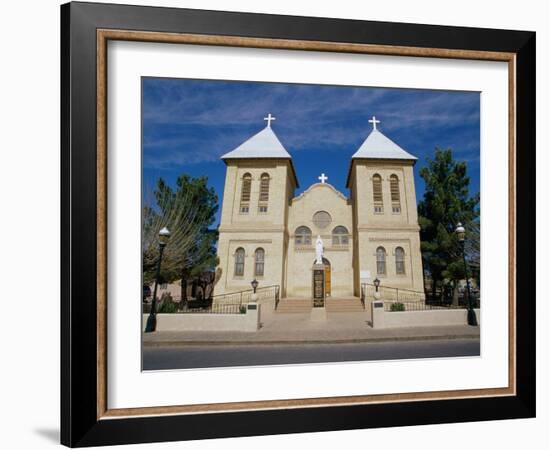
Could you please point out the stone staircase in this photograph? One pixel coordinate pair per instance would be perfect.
(348, 304)
(294, 305)
(332, 305)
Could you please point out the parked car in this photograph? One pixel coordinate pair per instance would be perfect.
(146, 292)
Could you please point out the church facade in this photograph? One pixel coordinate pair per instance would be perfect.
(268, 233)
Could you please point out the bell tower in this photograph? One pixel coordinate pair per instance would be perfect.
(386, 230)
(260, 181)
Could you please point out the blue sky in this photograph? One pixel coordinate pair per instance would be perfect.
(189, 124)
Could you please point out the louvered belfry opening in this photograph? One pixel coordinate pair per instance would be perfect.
(245, 193)
(264, 193)
(377, 194)
(395, 198)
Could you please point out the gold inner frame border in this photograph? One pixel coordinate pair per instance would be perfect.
(104, 35)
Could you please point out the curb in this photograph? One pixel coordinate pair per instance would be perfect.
(152, 344)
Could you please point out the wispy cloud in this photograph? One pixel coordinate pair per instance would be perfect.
(193, 121)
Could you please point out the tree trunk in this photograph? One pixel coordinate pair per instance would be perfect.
(455, 293)
(210, 285)
(203, 284)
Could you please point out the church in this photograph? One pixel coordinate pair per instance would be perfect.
(269, 234)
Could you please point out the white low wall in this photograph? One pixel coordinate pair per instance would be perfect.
(427, 318)
(250, 321)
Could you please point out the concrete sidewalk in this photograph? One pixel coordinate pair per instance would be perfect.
(168, 338)
(299, 328)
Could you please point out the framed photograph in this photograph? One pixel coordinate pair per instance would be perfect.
(276, 224)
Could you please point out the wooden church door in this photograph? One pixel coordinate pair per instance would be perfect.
(327, 277)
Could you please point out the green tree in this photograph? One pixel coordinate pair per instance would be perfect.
(446, 202)
(188, 211)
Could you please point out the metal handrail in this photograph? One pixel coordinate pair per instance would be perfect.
(418, 306)
(408, 295)
(391, 287)
(241, 297)
(396, 291)
(246, 290)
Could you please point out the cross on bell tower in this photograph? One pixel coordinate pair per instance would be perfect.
(323, 178)
(268, 119)
(374, 122)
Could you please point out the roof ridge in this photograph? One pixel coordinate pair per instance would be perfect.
(378, 146)
(263, 144)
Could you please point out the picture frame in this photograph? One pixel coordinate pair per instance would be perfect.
(86, 419)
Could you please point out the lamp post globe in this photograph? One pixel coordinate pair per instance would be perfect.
(460, 232)
(164, 236)
(461, 236)
(376, 283)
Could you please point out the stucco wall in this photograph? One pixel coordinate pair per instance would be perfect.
(387, 229)
(390, 239)
(270, 242)
(253, 230)
(319, 197)
(290, 266)
(364, 172)
(435, 317)
(208, 322)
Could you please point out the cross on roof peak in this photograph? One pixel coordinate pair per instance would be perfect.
(268, 119)
(323, 178)
(374, 122)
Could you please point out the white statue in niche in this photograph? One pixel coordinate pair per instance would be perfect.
(319, 250)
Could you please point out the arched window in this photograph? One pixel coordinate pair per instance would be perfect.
(340, 236)
(264, 193)
(239, 262)
(302, 236)
(259, 258)
(381, 261)
(395, 199)
(399, 261)
(245, 193)
(377, 194)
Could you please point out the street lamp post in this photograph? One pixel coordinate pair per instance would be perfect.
(254, 284)
(376, 293)
(151, 326)
(461, 234)
(254, 296)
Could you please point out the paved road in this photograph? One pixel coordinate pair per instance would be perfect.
(196, 356)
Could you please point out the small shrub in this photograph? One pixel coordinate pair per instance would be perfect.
(167, 305)
(166, 297)
(397, 307)
(168, 308)
(242, 309)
